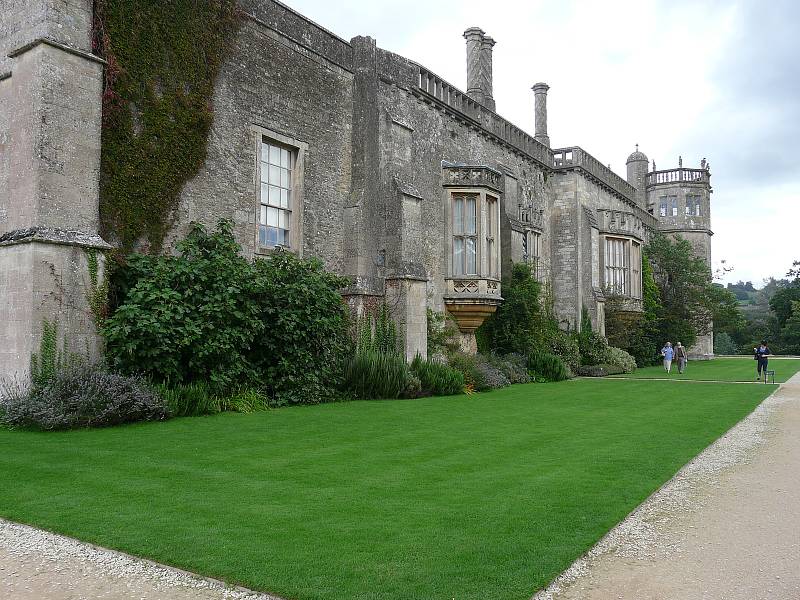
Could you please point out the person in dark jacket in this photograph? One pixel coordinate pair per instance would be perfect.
(680, 356)
(761, 354)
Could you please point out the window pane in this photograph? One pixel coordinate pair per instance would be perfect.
(285, 158)
(284, 199)
(458, 256)
(274, 196)
(272, 217)
(469, 225)
(284, 178)
(458, 208)
(263, 219)
(262, 235)
(264, 152)
(471, 254)
(274, 155)
(264, 172)
(274, 175)
(698, 209)
(264, 193)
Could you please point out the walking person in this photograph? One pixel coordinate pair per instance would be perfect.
(761, 354)
(668, 352)
(680, 356)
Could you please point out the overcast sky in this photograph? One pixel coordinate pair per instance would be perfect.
(714, 79)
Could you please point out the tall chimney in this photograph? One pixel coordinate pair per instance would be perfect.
(474, 37)
(486, 71)
(540, 108)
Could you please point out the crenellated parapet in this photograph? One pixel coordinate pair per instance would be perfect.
(626, 223)
(576, 158)
(434, 89)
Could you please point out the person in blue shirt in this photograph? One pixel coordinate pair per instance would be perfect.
(668, 353)
(761, 354)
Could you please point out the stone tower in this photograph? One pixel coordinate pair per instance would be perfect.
(681, 201)
(51, 256)
(637, 175)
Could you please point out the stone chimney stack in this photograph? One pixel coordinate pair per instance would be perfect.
(486, 71)
(540, 107)
(474, 37)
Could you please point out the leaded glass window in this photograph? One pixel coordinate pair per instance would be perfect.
(465, 240)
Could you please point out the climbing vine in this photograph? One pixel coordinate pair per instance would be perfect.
(162, 62)
(98, 290)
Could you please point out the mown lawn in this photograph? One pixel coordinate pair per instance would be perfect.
(481, 497)
(722, 369)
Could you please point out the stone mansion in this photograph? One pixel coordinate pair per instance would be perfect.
(421, 193)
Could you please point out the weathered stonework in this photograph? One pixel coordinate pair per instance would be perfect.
(681, 200)
(382, 149)
(50, 91)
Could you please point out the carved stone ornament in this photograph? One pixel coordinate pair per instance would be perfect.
(469, 176)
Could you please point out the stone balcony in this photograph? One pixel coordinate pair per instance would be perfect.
(470, 301)
(680, 175)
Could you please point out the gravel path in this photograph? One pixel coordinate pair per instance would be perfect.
(726, 527)
(37, 565)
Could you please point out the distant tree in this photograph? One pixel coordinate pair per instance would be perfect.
(690, 302)
(781, 301)
(794, 272)
(724, 344)
(790, 334)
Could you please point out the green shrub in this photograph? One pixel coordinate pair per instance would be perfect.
(190, 399)
(724, 344)
(414, 388)
(621, 359)
(599, 370)
(246, 401)
(547, 366)
(513, 366)
(436, 378)
(82, 396)
(372, 375)
(520, 322)
(210, 315)
(565, 345)
(494, 377)
(593, 348)
(51, 360)
(474, 377)
(377, 333)
(442, 333)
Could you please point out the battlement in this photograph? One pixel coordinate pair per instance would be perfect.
(575, 157)
(678, 175)
(437, 89)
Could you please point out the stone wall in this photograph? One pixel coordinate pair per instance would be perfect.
(270, 82)
(50, 91)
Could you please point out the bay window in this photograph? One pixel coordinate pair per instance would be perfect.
(623, 267)
(465, 242)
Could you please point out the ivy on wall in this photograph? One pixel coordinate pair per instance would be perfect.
(163, 59)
